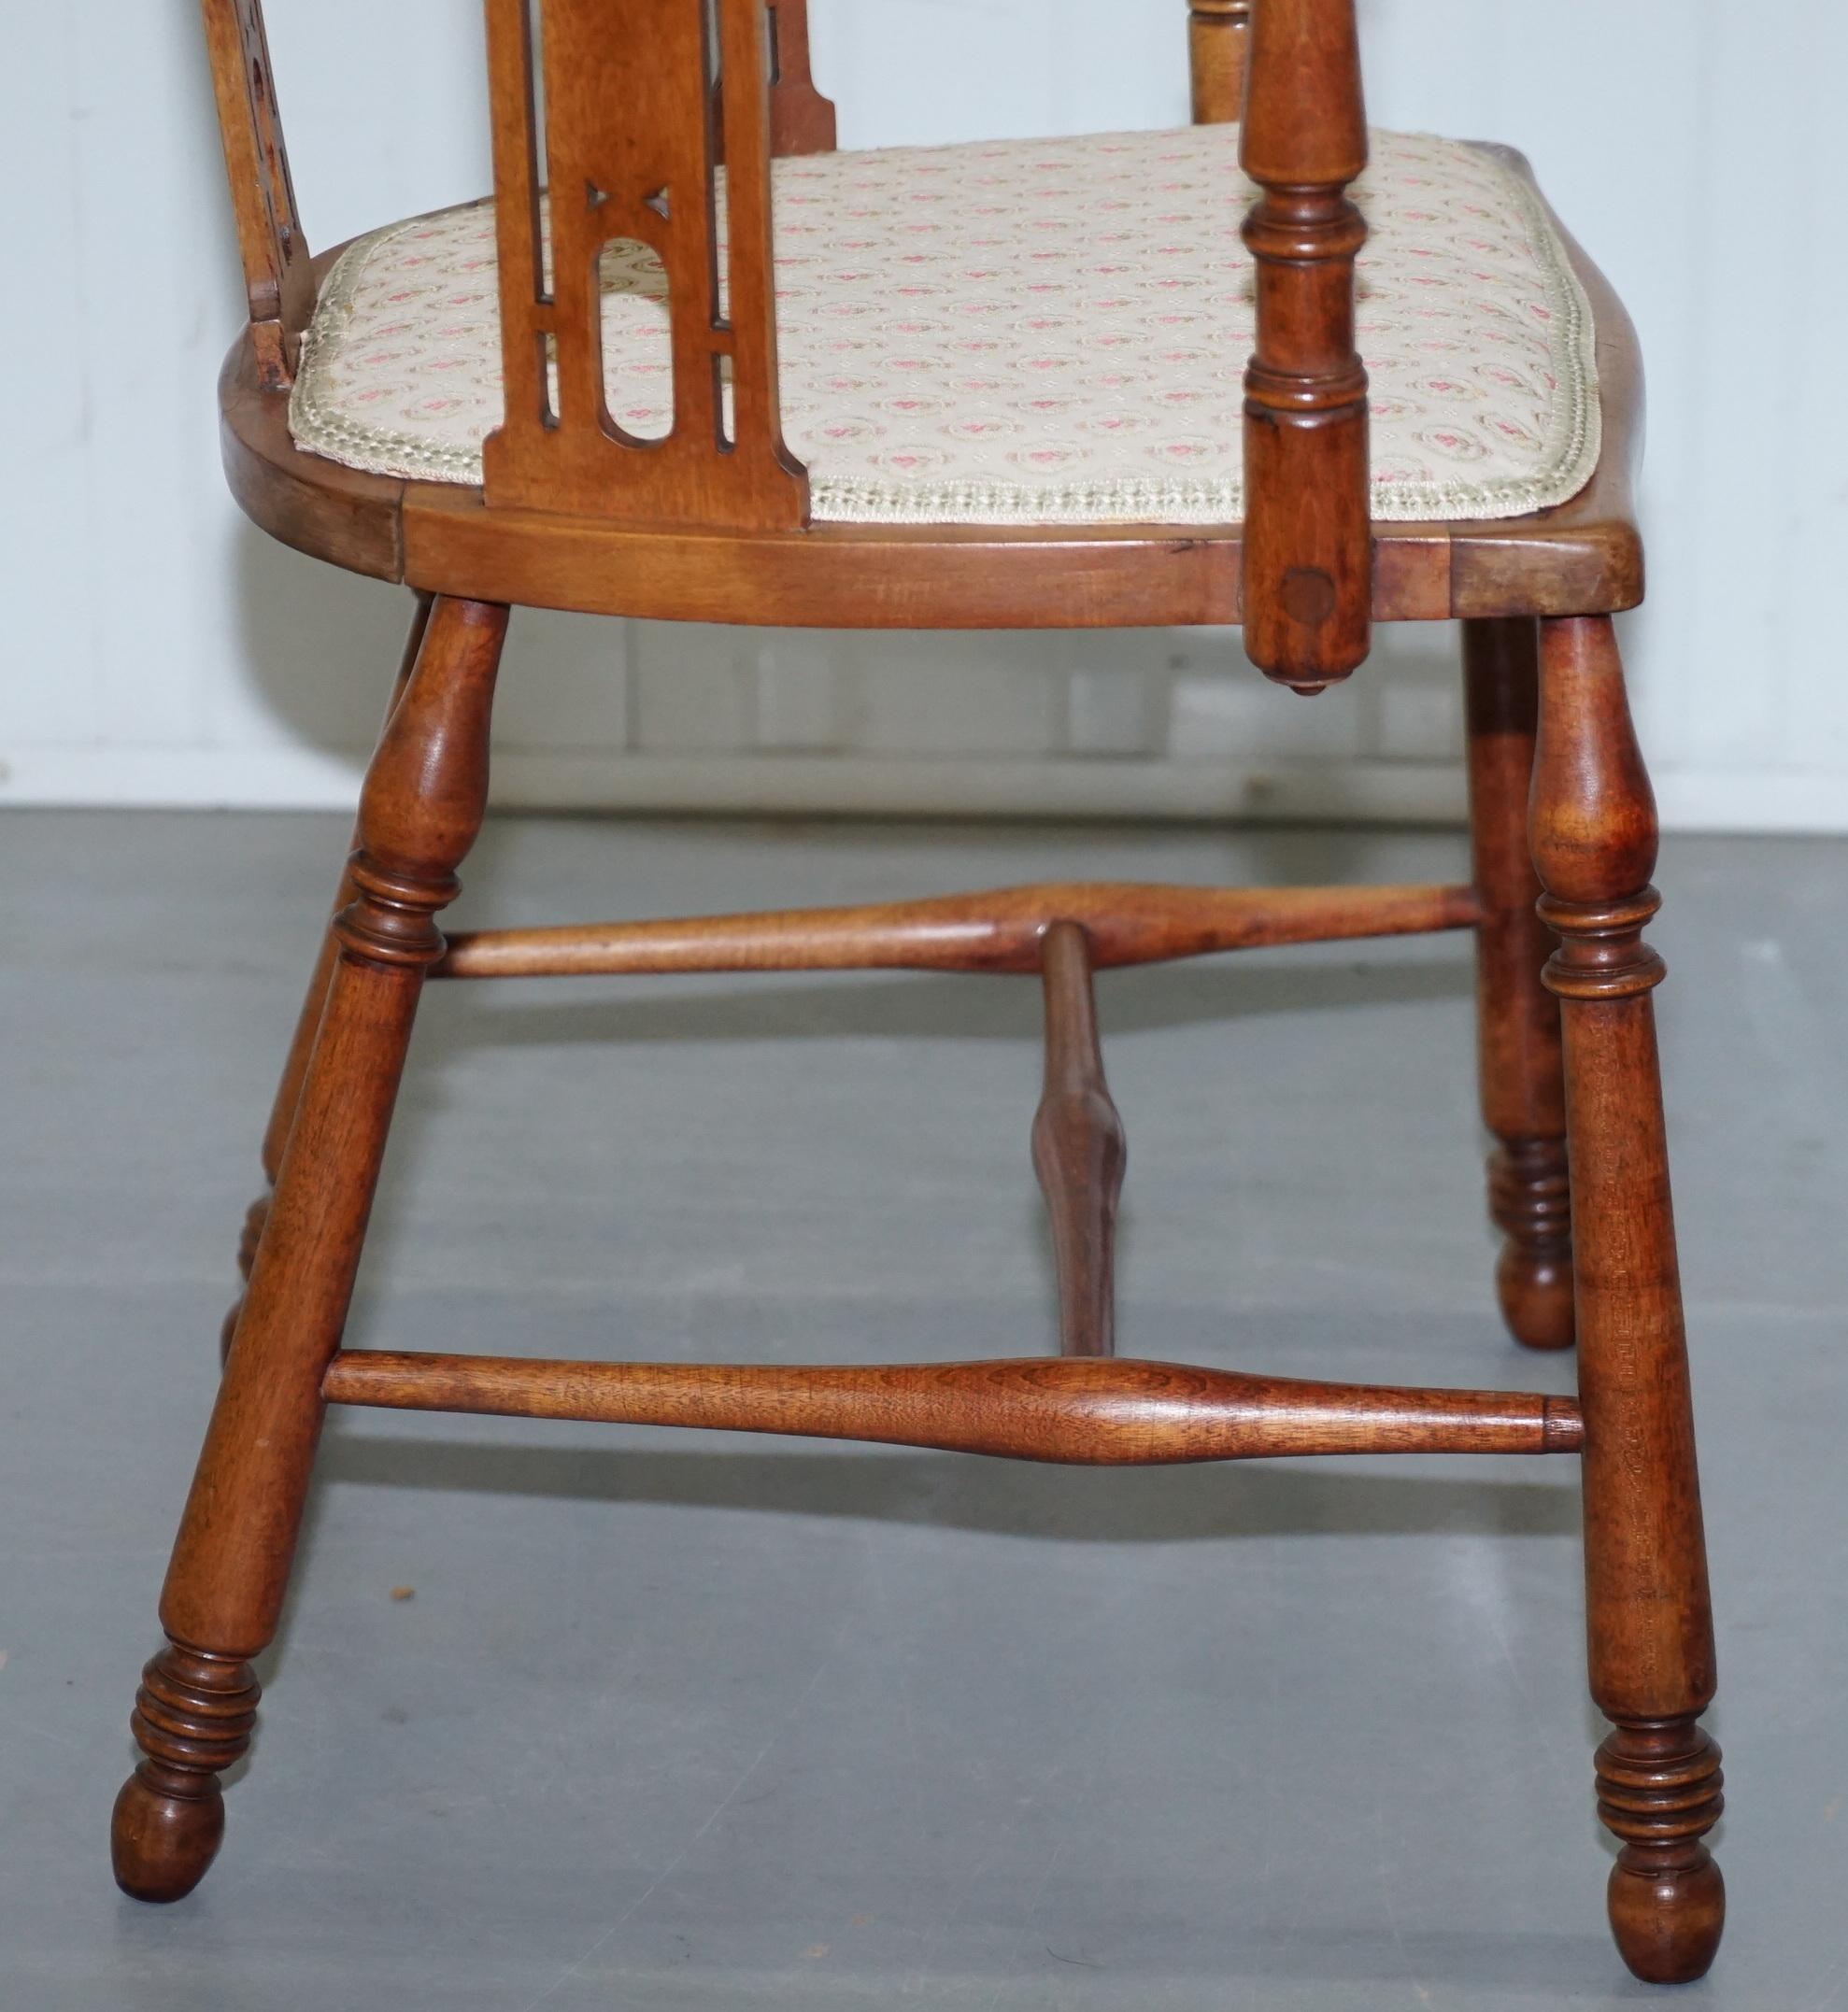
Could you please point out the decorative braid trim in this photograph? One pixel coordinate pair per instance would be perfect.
(315, 419)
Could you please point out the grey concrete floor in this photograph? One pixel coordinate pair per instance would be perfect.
(677, 1722)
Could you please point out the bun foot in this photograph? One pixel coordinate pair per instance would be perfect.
(1536, 1297)
(1667, 1922)
(161, 1843)
(1659, 1790)
(193, 1717)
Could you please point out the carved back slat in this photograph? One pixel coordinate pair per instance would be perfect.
(276, 271)
(802, 121)
(633, 130)
(1308, 540)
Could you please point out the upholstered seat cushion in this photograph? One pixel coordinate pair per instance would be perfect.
(1025, 332)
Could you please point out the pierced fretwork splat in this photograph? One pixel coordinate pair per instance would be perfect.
(628, 148)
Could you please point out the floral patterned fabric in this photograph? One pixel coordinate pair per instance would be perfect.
(1025, 332)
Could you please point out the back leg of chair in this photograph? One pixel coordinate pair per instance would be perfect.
(288, 1091)
(423, 801)
(1522, 1077)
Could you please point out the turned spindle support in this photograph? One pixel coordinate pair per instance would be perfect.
(1308, 583)
(998, 930)
(1219, 38)
(1648, 1614)
(1520, 1065)
(424, 797)
(1075, 1410)
(1079, 1150)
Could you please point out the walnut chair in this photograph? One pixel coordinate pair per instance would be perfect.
(694, 363)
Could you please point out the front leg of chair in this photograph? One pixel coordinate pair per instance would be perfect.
(1647, 1609)
(422, 806)
(1519, 1061)
(288, 1091)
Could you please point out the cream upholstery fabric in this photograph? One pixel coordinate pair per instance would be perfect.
(1025, 332)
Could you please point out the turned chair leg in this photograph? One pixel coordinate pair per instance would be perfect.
(421, 809)
(288, 1091)
(1650, 1624)
(1517, 1018)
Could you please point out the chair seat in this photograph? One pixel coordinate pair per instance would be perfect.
(1041, 331)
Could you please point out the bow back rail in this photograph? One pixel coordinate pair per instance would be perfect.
(608, 130)
(279, 275)
(1000, 931)
(1308, 536)
(1069, 1410)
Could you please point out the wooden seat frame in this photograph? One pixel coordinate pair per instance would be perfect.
(712, 525)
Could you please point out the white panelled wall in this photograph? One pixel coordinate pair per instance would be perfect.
(160, 651)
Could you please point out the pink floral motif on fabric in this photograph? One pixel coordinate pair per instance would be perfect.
(1025, 332)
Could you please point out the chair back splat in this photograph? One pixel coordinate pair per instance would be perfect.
(626, 108)
(625, 140)
(1308, 538)
(802, 121)
(277, 274)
